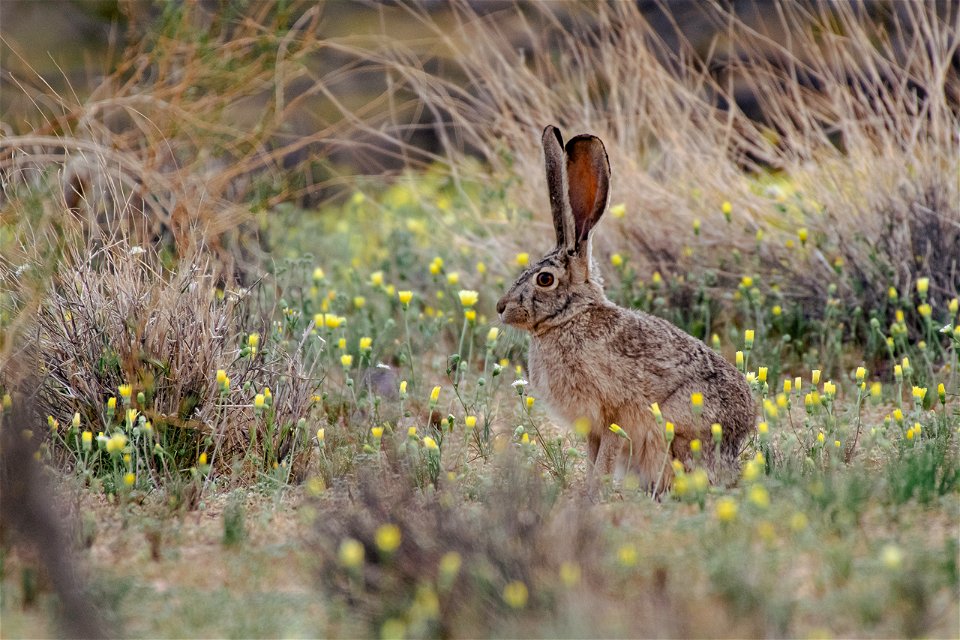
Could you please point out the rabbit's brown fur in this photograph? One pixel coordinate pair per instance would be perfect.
(592, 359)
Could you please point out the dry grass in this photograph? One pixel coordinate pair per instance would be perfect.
(116, 316)
(857, 139)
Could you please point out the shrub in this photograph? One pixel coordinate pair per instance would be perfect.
(116, 318)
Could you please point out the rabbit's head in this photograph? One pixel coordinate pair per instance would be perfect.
(564, 281)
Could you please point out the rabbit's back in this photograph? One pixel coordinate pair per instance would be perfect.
(611, 362)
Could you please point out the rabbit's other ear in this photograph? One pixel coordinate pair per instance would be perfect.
(555, 160)
(588, 180)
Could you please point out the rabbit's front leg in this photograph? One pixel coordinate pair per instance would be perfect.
(603, 451)
(609, 448)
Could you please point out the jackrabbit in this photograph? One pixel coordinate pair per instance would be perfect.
(592, 360)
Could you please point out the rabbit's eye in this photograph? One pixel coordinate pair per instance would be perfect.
(544, 279)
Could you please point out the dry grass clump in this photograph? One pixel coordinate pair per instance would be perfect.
(115, 316)
(202, 119)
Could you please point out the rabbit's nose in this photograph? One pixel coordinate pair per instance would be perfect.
(501, 305)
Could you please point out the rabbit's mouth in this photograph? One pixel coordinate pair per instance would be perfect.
(515, 316)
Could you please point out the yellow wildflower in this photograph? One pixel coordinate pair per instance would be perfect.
(891, 556)
(522, 259)
(655, 410)
(758, 496)
(515, 594)
(405, 297)
(387, 538)
(116, 443)
(696, 399)
(468, 298)
(351, 553)
(581, 426)
(726, 509)
(627, 555)
(798, 521)
(618, 210)
(450, 564)
(346, 360)
(569, 573)
(700, 480)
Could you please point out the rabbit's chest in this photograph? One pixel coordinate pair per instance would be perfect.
(572, 379)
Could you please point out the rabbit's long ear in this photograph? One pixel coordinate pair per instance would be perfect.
(555, 161)
(588, 180)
